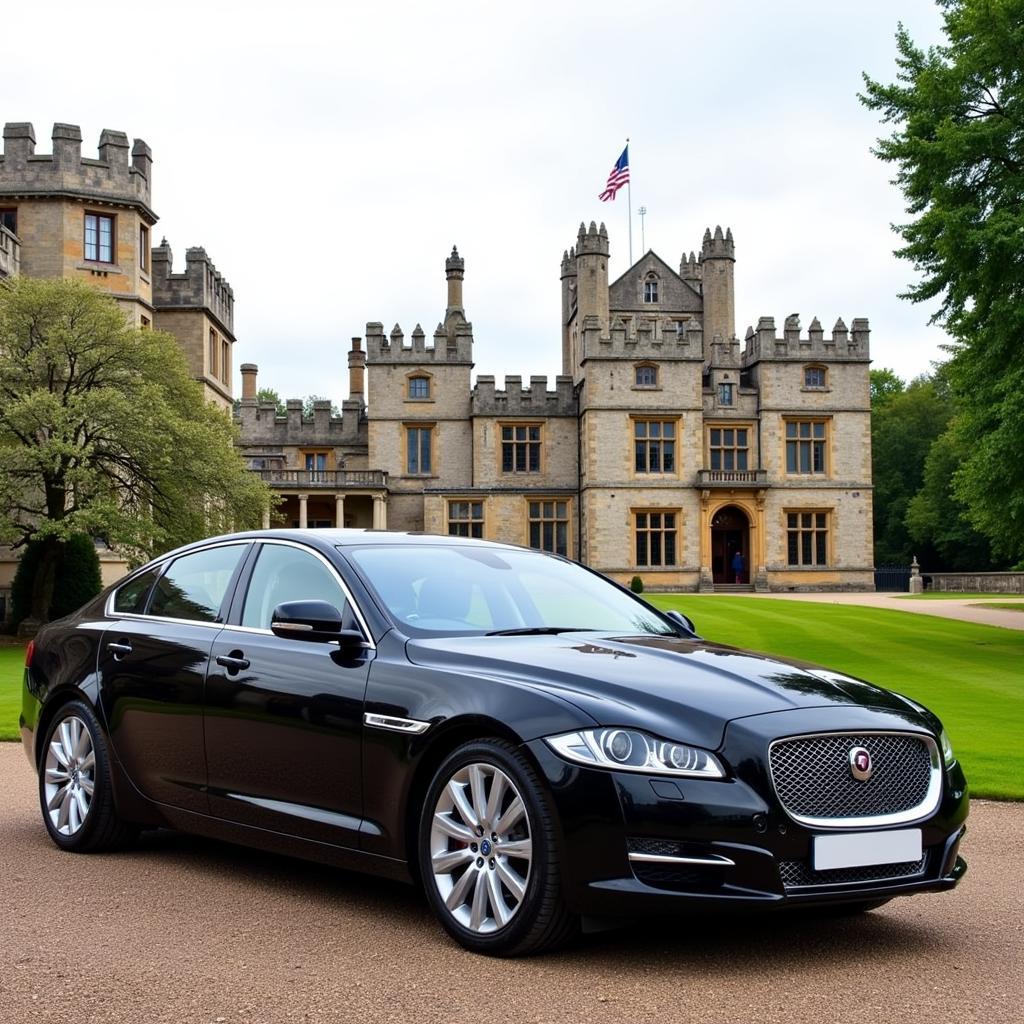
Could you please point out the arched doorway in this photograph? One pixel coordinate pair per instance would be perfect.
(730, 532)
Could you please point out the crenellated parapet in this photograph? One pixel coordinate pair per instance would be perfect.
(652, 338)
(451, 345)
(592, 240)
(515, 400)
(121, 174)
(201, 286)
(851, 345)
(262, 426)
(717, 245)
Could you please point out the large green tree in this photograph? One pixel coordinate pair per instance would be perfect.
(957, 112)
(104, 432)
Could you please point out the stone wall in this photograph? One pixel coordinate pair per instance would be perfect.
(976, 582)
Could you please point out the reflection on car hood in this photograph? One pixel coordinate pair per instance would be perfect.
(680, 689)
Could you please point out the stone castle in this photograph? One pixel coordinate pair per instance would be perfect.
(666, 449)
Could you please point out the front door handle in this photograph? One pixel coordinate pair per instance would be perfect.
(121, 649)
(233, 662)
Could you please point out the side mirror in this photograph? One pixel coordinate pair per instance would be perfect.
(314, 621)
(682, 620)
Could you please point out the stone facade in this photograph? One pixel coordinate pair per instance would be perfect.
(665, 448)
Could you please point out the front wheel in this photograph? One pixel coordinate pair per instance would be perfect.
(488, 853)
(75, 792)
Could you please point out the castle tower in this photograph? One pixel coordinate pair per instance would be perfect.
(568, 307)
(81, 217)
(717, 261)
(592, 274)
(455, 272)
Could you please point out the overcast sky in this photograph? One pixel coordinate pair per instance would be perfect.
(329, 155)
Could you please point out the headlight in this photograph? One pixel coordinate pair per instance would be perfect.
(948, 757)
(632, 751)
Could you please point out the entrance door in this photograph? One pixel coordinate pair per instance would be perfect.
(730, 534)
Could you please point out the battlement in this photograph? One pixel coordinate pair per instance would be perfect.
(261, 424)
(112, 178)
(691, 269)
(851, 345)
(452, 345)
(652, 339)
(592, 240)
(201, 286)
(569, 262)
(515, 400)
(718, 246)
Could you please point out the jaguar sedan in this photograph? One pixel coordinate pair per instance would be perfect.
(535, 746)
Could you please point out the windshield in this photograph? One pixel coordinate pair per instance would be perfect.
(445, 591)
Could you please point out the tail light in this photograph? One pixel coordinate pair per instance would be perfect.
(29, 651)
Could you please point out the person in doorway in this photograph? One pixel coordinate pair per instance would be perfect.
(737, 566)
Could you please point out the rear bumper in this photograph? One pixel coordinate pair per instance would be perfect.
(730, 843)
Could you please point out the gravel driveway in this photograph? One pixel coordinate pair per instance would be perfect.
(188, 930)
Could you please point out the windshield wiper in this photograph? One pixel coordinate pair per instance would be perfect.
(540, 631)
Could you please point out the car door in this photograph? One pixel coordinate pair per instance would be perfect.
(152, 668)
(284, 717)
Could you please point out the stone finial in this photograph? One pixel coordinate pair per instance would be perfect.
(114, 148)
(454, 264)
(602, 230)
(839, 331)
(142, 158)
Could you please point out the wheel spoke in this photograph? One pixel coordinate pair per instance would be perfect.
(445, 863)
(476, 789)
(84, 743)
(88, 762)
(514, 812)
(57, 775)
(74, 815)
(450, 827)
(499, 908)
(67, 741)
(58, 752)
(460, 890)
(82, 801)
(516, 885)
(499, 784)
(457, 791)
(65, 808)
(521, 848)
(86, 784)
(55, 801)
(479, 909)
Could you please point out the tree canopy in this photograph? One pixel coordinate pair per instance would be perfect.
(104, 432)
(958, 148)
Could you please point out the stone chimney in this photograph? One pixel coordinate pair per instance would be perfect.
(455, 271)
(356, 368)
(249, 371)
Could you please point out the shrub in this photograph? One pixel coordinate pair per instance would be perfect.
(76, 577)
(636, 585)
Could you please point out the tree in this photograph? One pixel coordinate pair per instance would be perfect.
(884, 386)
(103, 432)
(270, 395)
(307, 405)
(958, 146)
(76, 576)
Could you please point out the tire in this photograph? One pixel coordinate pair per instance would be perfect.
(491, 901)
(75, 757)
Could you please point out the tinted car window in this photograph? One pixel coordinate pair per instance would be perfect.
(131, 598)
(194, 586)
(284, 573)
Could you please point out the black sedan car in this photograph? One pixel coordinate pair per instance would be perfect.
(533, 744)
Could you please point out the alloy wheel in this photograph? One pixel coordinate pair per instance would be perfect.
(70, 776)
(481, 848)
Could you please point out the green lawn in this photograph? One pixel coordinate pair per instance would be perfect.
(952, 595)
(971, 676)
(1013, 606)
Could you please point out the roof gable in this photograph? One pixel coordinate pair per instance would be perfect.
(675, 295)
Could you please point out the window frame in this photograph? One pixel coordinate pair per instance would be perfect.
(112, 218)
(470, 521)
(417, 377)
(662, 419)
(709, 448)
(556, 500)
(430, 427)
(636, 530)
(720, 389)
(513, 425)
(814, 530)
(646, 365)
(225, 360)
(144, 247)
(825, 441)
(212, 352)
(4, 211)
(649, 292)
(816, 368)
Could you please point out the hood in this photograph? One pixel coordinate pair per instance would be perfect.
(685, 690)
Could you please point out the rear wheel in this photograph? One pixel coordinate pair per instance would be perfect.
(488, 855)
(75, 792)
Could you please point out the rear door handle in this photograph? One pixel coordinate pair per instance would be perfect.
(120, 649)
(233, 662)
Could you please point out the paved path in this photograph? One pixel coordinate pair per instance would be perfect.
(187, 931)
(964, 609)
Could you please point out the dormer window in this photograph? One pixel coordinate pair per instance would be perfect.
(651, 289)
(645, 376)
(419, 388)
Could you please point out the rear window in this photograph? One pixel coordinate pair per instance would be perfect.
(194, 586)
(131, 598)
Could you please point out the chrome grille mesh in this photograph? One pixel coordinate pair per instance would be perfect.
(813, 780)
(795, 873)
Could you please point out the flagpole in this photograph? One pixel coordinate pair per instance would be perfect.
(629, 201)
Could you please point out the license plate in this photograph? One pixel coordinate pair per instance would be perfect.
(862, 849)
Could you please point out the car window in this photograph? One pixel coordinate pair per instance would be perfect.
(131, 598)
(283, 573)
(194, 586)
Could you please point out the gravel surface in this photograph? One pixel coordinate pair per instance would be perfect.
(187, 930)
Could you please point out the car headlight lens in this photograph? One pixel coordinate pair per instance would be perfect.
(634, 751)
(948, 757)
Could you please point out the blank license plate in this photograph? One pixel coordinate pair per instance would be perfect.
(862, 849)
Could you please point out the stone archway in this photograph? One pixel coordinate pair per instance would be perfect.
(730, 532)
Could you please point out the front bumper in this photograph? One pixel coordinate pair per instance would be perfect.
(731, 842)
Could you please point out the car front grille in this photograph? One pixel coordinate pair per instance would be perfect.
(815, 785)
(796, 874)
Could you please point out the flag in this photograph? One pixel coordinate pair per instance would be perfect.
(617, 178)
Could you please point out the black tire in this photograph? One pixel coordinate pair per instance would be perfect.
(541, 922)
(101, 829)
